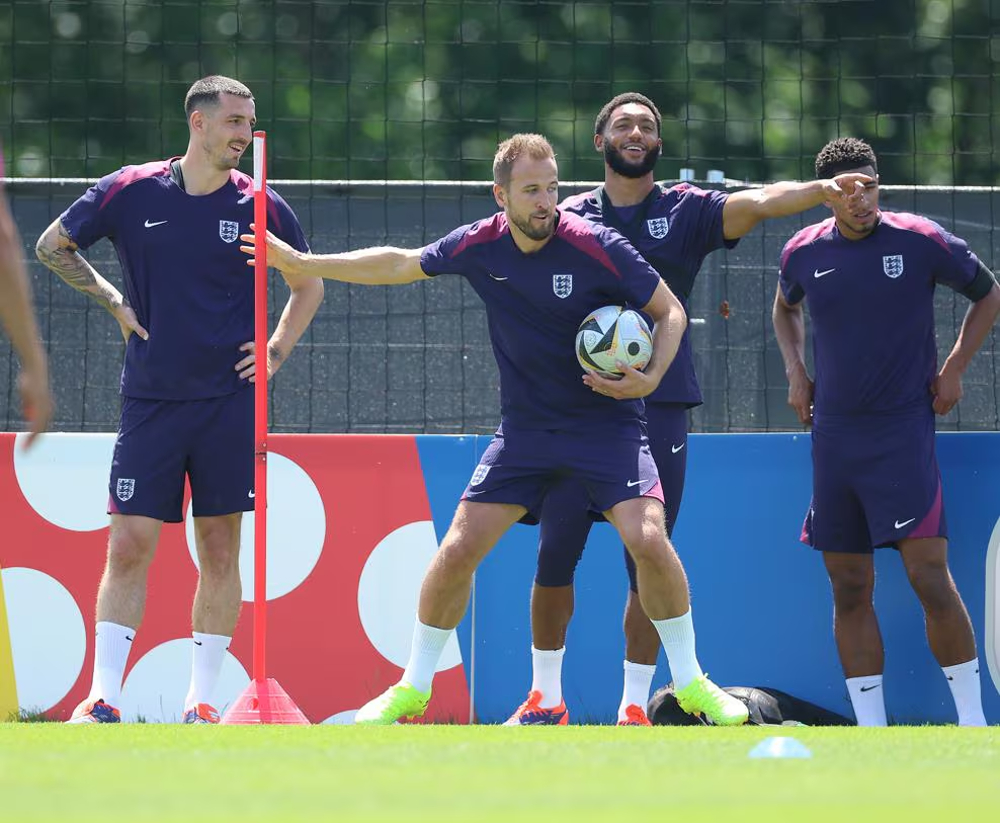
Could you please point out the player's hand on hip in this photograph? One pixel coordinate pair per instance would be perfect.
(632, 385)
(280, 255)
(128, 322)
(36, 400)
(947, 390)
(246, 367)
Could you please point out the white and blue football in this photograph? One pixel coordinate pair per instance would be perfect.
(611, 334)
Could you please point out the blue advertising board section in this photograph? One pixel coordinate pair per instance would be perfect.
(761, 599)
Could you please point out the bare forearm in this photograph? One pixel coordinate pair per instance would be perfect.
(790, 331)
(61, 257)
(667, 335)
(745, 209)
(302, 305)
(383, 266)
(979, 319)
(785, 198)
(16, 311)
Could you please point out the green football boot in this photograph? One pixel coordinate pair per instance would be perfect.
(702, 697)
(401, 700)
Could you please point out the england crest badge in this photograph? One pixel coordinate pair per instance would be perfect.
(658, 227)
(892, 265)
(562, 285)
(125, 488)
(229, 230)
(479, 475)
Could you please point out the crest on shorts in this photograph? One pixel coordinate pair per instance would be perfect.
(892, 265)
(658, 227)
(562, 285)
(479, 475)
(126, 488)
(229, 230)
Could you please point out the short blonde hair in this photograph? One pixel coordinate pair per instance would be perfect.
(512, 149)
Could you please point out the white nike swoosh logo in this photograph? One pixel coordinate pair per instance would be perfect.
(250, 495)
(675, 449)
(632, 483)
(818, 273)
(149, 225)
(498, 279)
(904, 523)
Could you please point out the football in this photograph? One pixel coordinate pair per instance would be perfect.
(611, 334)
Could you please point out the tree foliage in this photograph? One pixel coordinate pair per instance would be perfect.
(407, 89)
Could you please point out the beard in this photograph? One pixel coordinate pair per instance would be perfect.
(619, 165)
(534, 232)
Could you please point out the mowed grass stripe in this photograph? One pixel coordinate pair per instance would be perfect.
(170, 772)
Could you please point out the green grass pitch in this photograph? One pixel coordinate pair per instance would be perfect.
(165, 773)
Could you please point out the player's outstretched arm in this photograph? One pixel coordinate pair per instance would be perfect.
(745, 209)
(979, 319)
(18, 319)
(56, 249)
(790, 330)
(381, 266)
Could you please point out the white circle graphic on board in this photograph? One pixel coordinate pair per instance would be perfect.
(389, 590)
(296, 529)
(64, 477)
(48, 638)
(992, 615)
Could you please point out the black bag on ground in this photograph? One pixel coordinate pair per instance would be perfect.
(768, 707)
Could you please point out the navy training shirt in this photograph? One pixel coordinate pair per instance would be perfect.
(534, 305)
(675, 229)
(871, 305)
(184, 274)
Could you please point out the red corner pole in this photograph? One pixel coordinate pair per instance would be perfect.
(263, 701)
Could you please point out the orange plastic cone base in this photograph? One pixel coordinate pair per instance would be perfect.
(264, 702)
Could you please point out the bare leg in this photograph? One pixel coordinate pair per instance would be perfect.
(663, 587)
(949, 630)
(551, 611)
(642, 643)
(218, 598)
(121, 602)
(663, 591)
(444, 595)
(121, 597)
(855, 626)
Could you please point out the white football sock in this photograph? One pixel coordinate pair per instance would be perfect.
(546, 675)
(207, 653)
(867, 699)
(963, 680)
(638, 679)
(112, 644)
(425, 652)
(677, 637)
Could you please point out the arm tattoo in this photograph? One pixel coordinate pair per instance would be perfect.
(66, 261)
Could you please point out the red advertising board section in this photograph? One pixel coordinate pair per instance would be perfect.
(324, 620)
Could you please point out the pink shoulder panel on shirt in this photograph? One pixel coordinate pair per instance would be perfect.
(243, 182)
(582, 234)
(810, 234)
(130, 174)
(244, 185)
(485, 232)
(915, 223)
